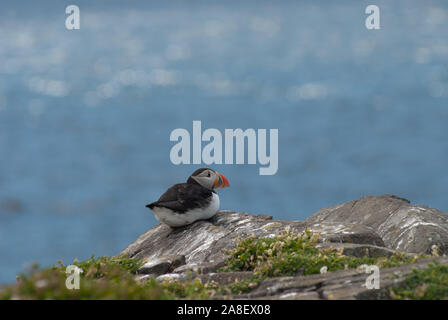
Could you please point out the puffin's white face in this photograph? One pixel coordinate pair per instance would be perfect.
(211, 179)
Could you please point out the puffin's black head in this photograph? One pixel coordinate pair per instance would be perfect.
(208, 178)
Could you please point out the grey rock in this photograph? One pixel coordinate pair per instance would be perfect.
(202, 268)
(312, 295)
(155, 267)
(173, 277)
(346, 233)
(299, 296)
(222, 278)
(284, 285)
(358, 250)
(371, 226)
(337, 285)
(401, 225)
(205, 241)
(161, 265)
(264, 216)
(144, 277)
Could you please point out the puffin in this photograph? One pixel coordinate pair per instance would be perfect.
(184, 203)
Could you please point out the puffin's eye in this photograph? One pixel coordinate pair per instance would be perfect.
(208, 174)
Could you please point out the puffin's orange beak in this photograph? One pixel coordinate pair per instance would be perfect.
(221, 182)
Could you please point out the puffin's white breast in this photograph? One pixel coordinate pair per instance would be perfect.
(175, 219)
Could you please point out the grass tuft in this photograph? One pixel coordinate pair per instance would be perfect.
(425, 284)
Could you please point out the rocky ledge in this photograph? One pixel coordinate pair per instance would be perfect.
(370, 226)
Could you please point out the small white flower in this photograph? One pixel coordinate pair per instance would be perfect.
(362, 268)
(42, 283)
(435, 250)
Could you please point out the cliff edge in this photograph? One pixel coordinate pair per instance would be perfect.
(373, 226)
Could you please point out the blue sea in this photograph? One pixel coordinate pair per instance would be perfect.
(86, 115)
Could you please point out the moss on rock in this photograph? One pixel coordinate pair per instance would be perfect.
(289, 254)
(426, 284)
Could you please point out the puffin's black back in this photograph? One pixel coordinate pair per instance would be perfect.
(183, 197)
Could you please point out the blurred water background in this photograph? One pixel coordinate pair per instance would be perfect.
(85, 115)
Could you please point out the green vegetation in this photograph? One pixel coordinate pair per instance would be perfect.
(290, 254)
(102, 278)
(426, 284)
(287, 254)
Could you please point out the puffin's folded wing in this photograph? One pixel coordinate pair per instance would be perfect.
(183, 197)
